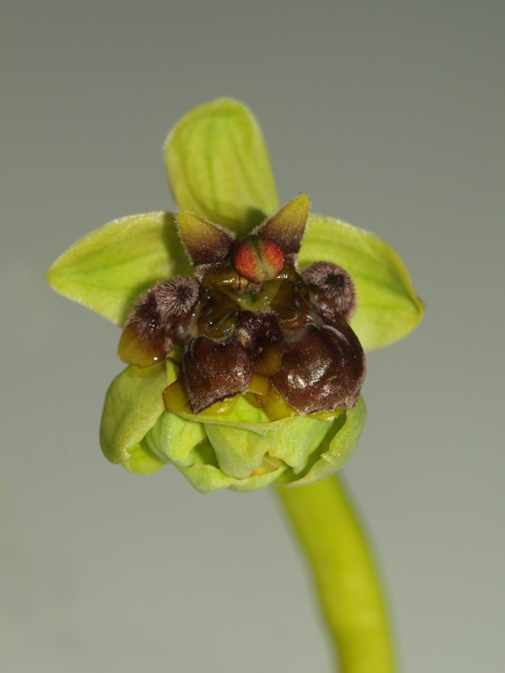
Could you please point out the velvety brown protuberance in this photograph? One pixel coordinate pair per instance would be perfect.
(332, 287)
(322, 368)
(176, 297)
(213, 371)
(153, 322)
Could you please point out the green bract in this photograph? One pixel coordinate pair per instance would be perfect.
(218, 169)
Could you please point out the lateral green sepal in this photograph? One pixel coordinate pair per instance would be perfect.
(387, 306)
(110, 267)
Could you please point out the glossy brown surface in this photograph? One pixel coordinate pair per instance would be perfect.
(322, 368)
(213, 371)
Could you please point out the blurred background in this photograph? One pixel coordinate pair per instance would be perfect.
(390, 116)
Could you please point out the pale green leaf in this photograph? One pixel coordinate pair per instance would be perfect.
(218, 166)
(110, 267)
(387, 307)
(132, 406)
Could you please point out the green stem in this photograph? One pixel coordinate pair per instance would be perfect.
(346, 579)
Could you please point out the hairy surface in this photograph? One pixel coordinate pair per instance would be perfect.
(333, 286)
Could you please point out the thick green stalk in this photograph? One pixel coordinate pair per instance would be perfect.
(346, 579)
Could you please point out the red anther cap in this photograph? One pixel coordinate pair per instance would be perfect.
(258, 259)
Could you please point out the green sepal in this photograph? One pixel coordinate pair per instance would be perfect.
(132, 406)
(174, 438)
(143, 460)
(218, 166)
(249, 455)
(335, 450)
(205, 474)
(110, 267)
(239, 451)
(387, 306)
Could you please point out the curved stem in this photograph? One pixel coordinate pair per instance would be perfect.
(347, 582)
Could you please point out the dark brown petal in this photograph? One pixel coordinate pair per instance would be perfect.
(332, 287)
(322, 368)
(261, 336)
(213, 371)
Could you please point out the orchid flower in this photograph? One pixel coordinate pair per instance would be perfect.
(244, 331)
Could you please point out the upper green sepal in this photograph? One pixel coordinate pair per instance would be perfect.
(110, 267)
(218, 166)
(387, 306)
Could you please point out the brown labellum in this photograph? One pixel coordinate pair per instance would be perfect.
(322, 368)
(213, 371)
(250, 323)
(261, 337)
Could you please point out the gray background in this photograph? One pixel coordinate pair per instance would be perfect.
(390, 116)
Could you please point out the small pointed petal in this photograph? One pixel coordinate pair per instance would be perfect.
(286, 228)
(205, 242)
